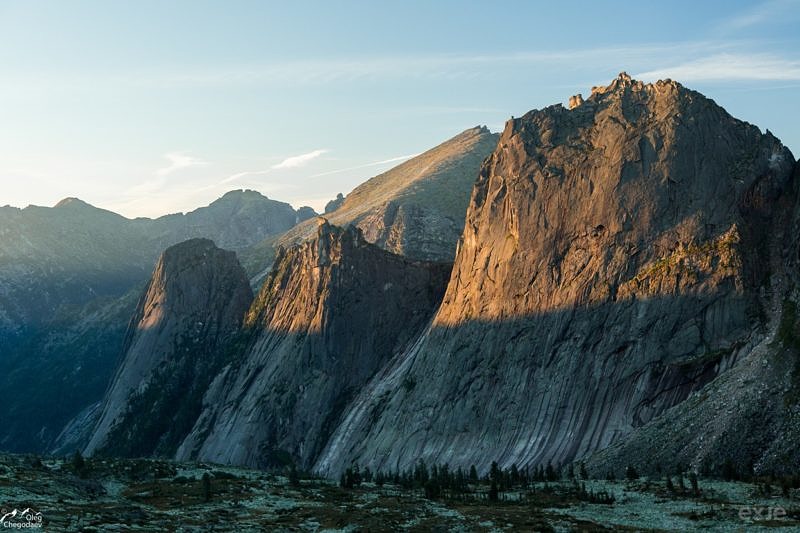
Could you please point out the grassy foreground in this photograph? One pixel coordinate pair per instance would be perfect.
(154, 495)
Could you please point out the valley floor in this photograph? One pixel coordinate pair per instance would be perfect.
(153, 495)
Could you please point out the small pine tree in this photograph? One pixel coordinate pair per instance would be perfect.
(670, 486)
(493, 492)
(571, 471)
(494, 472)
(681, 484)
(695, 485)
(432, 489)
(729, 471)
(584, 474)
(473, 474)
(550, 473)
(79, 464)
(631, 474)
(206, 487)
(294, 476)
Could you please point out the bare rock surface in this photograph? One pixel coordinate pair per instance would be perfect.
(70, 278)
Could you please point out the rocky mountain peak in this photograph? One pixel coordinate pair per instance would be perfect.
(613, 261)
(417, 208)
(73, 203)
(195, 301)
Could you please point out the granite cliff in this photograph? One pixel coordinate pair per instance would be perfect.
(616, 258)
(190, 311)
(625, 292)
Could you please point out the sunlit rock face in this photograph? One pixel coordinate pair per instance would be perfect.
(194, 304)
(332, 313)
(613, 261)
(417, 208)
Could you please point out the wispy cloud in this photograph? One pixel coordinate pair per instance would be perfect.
(367, 165)
(299, 160)
(240, 175)
(178, 161)
(724, 67)
(296, 161)
(641, 56)
(763, 13)
(428, 66)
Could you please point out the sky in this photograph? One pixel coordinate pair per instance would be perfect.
(153, 107)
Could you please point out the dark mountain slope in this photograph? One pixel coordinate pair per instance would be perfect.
(747, 420)
(70, 277)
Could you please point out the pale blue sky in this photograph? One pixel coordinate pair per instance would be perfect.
(152, 107)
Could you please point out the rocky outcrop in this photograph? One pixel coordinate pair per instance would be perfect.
(415, 209)
(304, 213)
(611, 264)
(334, 204)
(575, 101)
(331, 313)
(192, 307)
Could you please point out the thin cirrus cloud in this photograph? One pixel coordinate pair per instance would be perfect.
(299, 160)
(724, 67)
(427, 66)
(296, 161)
(763, 13)
(367, 165)
(642, 56)
(178, 161)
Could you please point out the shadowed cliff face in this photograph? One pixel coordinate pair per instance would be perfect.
(747, 420)
(332, 312)
(611, 263)
(193, 305)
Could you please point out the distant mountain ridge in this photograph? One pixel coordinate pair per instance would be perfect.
(70, 276)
